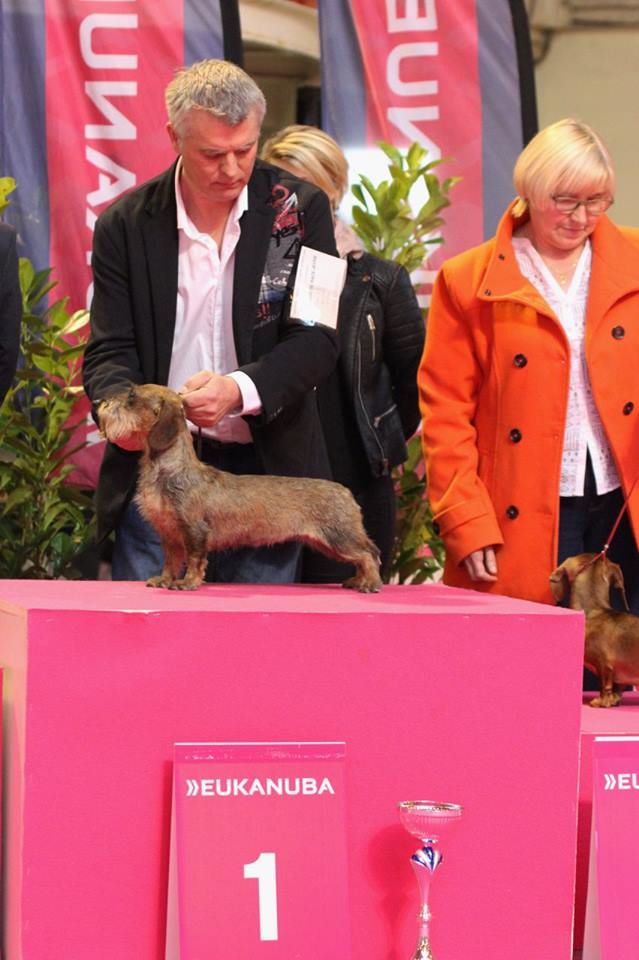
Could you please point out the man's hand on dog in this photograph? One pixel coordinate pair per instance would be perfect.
(208, 397)
(482, 564)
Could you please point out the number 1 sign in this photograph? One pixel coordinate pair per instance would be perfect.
(258, 852)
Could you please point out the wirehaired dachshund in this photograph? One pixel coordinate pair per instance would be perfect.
(196, 508)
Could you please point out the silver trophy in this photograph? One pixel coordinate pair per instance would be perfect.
(429, 821)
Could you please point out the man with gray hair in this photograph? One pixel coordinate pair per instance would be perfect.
(193, 273)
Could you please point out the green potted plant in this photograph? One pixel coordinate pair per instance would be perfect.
(45, 521)
(385, 221)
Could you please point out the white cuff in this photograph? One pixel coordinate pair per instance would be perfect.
(251, 401)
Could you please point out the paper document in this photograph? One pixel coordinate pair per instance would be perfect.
(318, 284)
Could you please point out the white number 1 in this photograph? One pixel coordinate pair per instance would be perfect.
(264, 871)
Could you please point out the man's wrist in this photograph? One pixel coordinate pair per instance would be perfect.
(250, 402)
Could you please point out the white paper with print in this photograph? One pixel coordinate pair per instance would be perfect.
(318, 284)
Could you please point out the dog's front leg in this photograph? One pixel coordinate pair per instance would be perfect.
(173, 565)
(195, 549)
(609, 695)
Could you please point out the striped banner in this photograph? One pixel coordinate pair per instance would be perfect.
(455, 77)
(82, 116)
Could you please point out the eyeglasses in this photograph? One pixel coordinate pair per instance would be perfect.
(594, 206)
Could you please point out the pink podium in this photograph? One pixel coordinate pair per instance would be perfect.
(622, 721)
(437, 693)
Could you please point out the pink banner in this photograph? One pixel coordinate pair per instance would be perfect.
(107, 66)
(422, 84)
(106, 69)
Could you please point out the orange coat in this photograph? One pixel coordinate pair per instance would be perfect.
(493, 385)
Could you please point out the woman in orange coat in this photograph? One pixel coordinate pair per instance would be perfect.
(529, 382)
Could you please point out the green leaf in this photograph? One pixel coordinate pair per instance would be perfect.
(370, 187)
(358, 193)
(76, 322)
(15, 499)
(365, 224)
(415, 155)
(26, 274)
(7, 186)
(391, 152)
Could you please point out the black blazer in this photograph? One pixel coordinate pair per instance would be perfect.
(135, 272)
(10, 308)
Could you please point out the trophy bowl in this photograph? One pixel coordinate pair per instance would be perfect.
(429, 821)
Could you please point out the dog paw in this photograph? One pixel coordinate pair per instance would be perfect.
(606, 700)
(185, 584)
(158, 581)
(362, 585)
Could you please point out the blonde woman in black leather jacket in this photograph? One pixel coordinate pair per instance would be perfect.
(369, 407)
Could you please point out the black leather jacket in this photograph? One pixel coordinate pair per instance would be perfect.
(381, 334)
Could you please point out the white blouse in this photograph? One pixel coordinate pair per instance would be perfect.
(584, 430)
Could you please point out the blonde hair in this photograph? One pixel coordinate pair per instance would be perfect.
(565, 157)
(318, 156)
(217, 86)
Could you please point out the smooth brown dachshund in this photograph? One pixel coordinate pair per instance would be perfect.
(612, 636)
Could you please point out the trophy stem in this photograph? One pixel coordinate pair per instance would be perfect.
(424, 863)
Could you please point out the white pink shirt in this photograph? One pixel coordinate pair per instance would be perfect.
(584, 431)
(203, 338)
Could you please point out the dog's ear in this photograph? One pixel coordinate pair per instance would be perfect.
(560, 581)
(615, 579)
(170, 418)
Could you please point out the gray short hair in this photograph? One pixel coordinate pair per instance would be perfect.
(217, 86)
